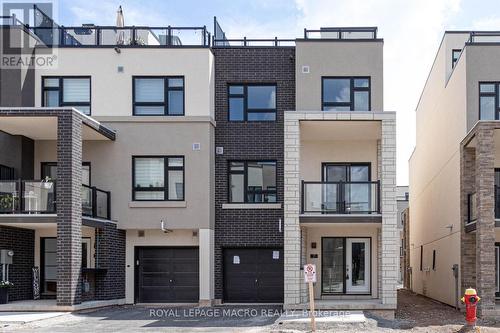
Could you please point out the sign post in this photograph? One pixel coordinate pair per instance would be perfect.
(310, 278)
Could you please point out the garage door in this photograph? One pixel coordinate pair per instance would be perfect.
(167, 275)
(253, 275)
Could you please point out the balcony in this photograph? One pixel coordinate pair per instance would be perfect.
(39, 197)
(89, 35)
(340, 198)
(484, 37)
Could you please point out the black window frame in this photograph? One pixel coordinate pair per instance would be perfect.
(244, 96)
(453, 58)
(421, 257)
(352, 91)
(165, 177)
(7, 173)
(433, 260)
(166, 89)
(495, 94)
(245, 182)
(61, 91)
(48, 164)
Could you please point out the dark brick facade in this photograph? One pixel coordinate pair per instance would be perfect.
(111, 257)
(22, 242)
(249, 141)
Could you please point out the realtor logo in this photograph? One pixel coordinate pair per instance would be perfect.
(310, 273)
(28, 33)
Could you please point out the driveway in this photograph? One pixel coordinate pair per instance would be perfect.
(415, 314)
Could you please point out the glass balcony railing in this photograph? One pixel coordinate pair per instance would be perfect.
(39, 197)
(340, 197)
(341, 33)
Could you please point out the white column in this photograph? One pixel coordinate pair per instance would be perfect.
(292, 242)
(206, 248)
(390, 235)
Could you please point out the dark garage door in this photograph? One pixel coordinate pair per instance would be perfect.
(253, 275)
(166, 274)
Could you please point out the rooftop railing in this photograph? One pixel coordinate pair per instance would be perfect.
(341, 33)
(484, 37)
(253, 42)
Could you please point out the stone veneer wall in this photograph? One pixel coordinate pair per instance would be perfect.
(389, 263)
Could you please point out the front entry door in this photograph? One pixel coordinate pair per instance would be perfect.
(357, 265)
(345, 265)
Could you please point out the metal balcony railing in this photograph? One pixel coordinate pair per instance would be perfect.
(484, 37)
(340, 197)
(39, 197)
(341, 33)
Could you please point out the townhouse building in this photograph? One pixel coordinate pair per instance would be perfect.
(454, 174)
(181, 168)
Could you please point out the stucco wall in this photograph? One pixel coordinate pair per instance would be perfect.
(435, 176)
(111, 169)
(112, 91)
(337, 59)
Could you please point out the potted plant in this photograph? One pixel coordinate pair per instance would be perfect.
(4, 291)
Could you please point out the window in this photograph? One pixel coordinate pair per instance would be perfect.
(346, 94)
(158, 96)
(489, 104)
(49, 169)
(421, 257)
(252, 181)
(6, 173)
(70, 91)
(158, 178)
(433, 260)
(252, 102)
(455, 53)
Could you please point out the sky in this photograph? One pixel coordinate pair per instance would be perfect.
(412, 31)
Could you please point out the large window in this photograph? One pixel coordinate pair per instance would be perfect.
(70, 91)
(252, 102)
(158, 96)
(252, 181)
(489, 103)
(158, 178)
(346, 94)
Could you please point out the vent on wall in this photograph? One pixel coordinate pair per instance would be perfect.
(219, 150)
(306, 70)
(140, 233)
(196, 146)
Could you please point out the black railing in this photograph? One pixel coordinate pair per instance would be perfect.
(341, 33)
(340, 197)
(96, 202)
(472, 206)
(484, 37)
(111, 36)
(39, 197)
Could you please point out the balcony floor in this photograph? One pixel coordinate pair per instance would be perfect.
(341, 218)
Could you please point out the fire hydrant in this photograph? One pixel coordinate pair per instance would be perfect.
(470, 299)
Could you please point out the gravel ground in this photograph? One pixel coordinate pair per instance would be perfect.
(415, 314)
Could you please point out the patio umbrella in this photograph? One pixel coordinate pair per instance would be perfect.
(120, 23)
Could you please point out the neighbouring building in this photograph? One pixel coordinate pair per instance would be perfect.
(166, 165)
(455, 173)
(402, 197)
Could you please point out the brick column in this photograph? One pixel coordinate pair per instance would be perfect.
(467, 239)
(69, 208)
(292, 242)
(110, 250)
(390, 235)
(485, 226)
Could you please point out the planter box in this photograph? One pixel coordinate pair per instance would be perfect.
(4, 295)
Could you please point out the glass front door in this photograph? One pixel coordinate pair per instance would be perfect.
(358, 265)
(345, 267)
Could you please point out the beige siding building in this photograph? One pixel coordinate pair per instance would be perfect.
(453, 177)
